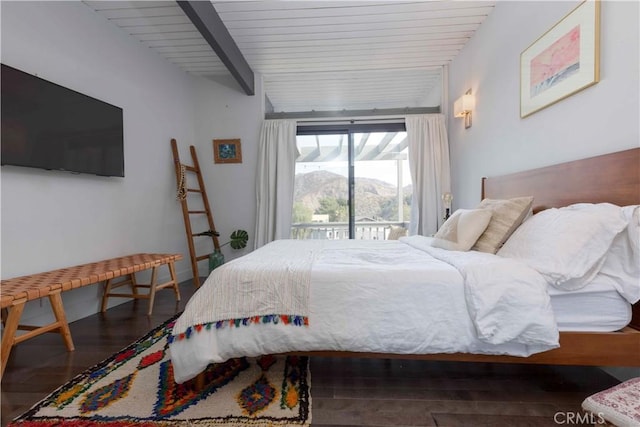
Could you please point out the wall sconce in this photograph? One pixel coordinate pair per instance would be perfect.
(446, 199)
(463, 107)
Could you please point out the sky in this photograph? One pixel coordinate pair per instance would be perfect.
(384, 170)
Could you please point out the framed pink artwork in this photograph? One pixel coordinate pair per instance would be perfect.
(563, 61)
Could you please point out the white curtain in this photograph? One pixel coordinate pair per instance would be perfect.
(430, 171)
(277, 156)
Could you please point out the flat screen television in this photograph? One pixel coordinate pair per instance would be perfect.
(47, 126)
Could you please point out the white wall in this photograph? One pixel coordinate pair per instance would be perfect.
(55, 219)
(224, 112)
(600, 119)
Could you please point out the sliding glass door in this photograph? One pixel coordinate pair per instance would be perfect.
(321, 191)
(351, 183)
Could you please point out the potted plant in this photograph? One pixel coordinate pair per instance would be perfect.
(238, 240)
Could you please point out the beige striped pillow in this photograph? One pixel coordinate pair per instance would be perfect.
(506, 216)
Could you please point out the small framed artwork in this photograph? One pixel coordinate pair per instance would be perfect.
(227, 151)
(563, 61)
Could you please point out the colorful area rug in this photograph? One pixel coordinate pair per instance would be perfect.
(136, 387)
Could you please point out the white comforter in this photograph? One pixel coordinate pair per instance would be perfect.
(401, 297)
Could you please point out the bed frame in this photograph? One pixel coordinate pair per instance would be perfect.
(613, 178)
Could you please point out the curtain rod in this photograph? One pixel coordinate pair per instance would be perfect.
(355, 120)
(382, 114)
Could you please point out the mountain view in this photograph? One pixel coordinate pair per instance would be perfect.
(323, 192)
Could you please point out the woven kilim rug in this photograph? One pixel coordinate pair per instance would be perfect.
(136, 387)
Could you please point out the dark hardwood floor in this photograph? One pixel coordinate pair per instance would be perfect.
(345, 392)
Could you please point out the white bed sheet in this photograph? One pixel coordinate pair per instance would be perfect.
(342, 317)
(598, 307)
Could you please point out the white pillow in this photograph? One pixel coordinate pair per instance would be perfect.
(461, 231)
(622, 262)
(507, 215)
(567, 245)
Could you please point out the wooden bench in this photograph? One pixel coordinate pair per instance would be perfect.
(14, 293)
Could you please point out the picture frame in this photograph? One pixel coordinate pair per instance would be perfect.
(227, 151)
(563, 61)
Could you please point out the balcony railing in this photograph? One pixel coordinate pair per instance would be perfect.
(373, 230)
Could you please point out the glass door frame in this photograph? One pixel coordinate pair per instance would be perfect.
(350, 129)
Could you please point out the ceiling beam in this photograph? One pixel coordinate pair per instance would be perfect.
(363, 142)
(395, 153)
(333, 154)
(312, 156)
(377, 150)
(205, 18)
(301, 115)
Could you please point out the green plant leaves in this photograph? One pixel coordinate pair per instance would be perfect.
(239, 239)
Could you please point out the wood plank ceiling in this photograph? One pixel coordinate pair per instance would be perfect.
(318, 55)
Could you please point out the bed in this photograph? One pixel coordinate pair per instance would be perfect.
(467, 312)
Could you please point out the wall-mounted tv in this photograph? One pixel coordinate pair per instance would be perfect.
(47, 126)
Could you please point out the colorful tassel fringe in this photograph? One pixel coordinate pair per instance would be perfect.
(246, 321)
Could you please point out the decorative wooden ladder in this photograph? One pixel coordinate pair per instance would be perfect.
(183, 193)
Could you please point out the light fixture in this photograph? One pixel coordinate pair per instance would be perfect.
(463, 107)
(446, 199)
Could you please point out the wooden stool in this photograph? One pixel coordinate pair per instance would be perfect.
(618, 405)
(130, 279)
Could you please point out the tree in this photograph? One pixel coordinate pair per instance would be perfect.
(337, 209)
(389, 209)
(301, 213)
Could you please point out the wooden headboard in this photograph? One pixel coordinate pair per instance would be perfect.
(613, 178)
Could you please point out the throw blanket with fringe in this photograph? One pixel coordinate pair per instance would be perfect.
(268, 285)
